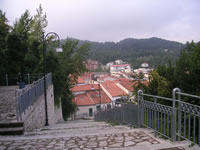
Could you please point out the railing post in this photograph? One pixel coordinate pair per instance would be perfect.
(28, 78)
(140, 97)
(6, 79)
(179, 113)
(155, 121)
(173, 120)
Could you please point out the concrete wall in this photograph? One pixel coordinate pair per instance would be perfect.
(34, 117)
(83, 111)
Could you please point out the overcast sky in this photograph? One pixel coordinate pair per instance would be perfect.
(114, 20)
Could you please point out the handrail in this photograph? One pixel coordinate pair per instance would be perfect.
(159, 97)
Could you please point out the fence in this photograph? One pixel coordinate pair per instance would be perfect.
(13, 79)
(126, 114)
(169, 117)
(27, 96)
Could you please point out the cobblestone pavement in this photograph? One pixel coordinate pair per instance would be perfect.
(104, 141)
(84, 136)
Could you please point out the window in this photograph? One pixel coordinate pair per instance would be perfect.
(98, 108)
(90, 112)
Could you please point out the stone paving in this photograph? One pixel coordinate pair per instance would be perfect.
(104, 141)
(87, 135)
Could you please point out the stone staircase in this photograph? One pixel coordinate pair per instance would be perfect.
(11, 128)
(91, 135)
(8, 121)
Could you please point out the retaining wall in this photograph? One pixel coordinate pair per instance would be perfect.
(34, 117)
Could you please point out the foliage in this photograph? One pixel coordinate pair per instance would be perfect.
(21, 50)
(137, 83)
(4, 30)
(188, 69)
(72, 64)
(159, 85)
(184, 75)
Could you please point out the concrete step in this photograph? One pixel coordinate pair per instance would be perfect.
(11, 128)
(11, 124)
(12, 131)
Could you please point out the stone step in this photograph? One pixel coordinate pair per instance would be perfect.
(11, 128)
(11, 124)
(12, 131)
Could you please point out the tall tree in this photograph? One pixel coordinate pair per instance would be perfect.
(63, 66)
(39, 24)
(4, 30)
(188, 69)
(18, 43)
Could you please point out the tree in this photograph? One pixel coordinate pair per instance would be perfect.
(39, 24)
(67, 64)
(4, 30)
(188, 69)
(22, 48)
(18, 44)
(158, 85)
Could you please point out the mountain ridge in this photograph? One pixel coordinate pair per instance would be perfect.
(155, 51)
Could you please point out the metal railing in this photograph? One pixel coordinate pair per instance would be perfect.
(172, 118)
(126, 114)
(13, 79)
(27, 96)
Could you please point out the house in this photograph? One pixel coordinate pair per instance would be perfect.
(86, 106)
(92, 64)
(89, 99)
(118, 62)
(113, 91)
(76, 90)
(126, 85)
(108, 65)
(120, 68)
(144, 65)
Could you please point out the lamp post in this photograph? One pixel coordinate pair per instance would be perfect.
(99, 95)
(99, 92)
(44, 39)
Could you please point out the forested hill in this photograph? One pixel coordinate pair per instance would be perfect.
(136, 51)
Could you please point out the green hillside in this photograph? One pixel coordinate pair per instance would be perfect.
(154, 51)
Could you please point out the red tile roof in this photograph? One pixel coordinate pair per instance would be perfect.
(80, 80)
(83, 100)
(94, 95)
(113, 89)
(84, 87)
(127, 83)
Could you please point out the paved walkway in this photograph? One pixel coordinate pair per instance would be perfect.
(87, 135)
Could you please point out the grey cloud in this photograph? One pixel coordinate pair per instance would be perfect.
(113, 20)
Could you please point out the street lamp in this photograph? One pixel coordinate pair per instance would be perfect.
(96, 79)
(44, 39)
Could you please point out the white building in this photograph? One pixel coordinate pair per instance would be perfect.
(120, 68)
(144, 65)
(118, 62)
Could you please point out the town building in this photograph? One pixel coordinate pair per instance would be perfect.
(120, 68)
(145, 65)
(89, 99)
(92, 65)
(113, 91)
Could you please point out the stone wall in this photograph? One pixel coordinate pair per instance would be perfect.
(34, 117)
(8, 103)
